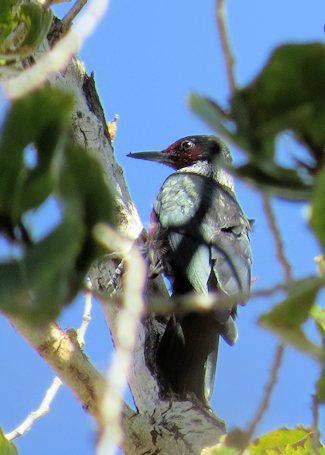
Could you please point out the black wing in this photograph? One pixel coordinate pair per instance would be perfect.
(206, 247)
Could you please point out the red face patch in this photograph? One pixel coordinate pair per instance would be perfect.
(184, 153)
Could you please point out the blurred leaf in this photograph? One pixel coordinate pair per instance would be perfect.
(286, 318)
(270, 177)
(210, 112)
(320, 263)
(82, 177)
(23, 26)
(295, 309)
(287, 94)
(317, 220)
(261, 172)
(51, 271)
(40, 119)
(6, 447)
(295, 441)
(38, 20)
(8, 19)
(318, 314)
(45, 279)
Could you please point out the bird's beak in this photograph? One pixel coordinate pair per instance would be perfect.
(160, 157)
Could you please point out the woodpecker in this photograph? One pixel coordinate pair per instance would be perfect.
(199, 238)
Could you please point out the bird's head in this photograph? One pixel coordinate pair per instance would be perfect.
(188, 151)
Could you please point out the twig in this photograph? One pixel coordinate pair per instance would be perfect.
(277, 238)
(50, 394)
(229, 59)
(268, 391)
(48, 3)
(127, 321)
(315, 425)
(210, 301)
(59, 56)
(74, 11)
(280, 348)
(86, 318)
(40, 412)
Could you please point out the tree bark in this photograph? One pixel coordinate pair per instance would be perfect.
(161, 424)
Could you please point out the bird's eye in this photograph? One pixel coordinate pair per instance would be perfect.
(187, 145)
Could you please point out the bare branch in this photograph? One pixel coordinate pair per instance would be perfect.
(62, 352)
(49, 3)
(268, 391)
(40, 412)
(315, 426)
(54, 387)
(86, 318)
(74, 11)
(223, 35)
(280, 348)
(277, 238)
(207, 302)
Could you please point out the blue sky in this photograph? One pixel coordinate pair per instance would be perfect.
(147, 57)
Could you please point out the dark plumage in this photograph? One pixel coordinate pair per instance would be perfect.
(199, 239)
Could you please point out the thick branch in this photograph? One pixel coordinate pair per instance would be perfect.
(161, 425)
(62, 352)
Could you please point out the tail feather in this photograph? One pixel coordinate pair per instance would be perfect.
(187, 355)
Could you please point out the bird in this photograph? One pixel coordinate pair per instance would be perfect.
(199, 239)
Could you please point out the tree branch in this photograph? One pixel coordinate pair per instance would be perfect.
(74, 11)
(268, 390)
(42, 410)
(62, 352)
(161, 423)
(277, 238)
(223, 36)
(51, 392)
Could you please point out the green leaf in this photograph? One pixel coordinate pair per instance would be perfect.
(38, 20)
(6, 447)
(23, 26)
(82, 177)
(262, 172)
(287, 94)
(41, 119)
(38, 285)
(51, 271)
(275, 179)
(295, 309)
(286, 441)
(210, 112)
(318, 314)
(286, 318)
(317, 220)
(8, 20)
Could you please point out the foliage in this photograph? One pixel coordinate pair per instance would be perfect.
(23, 25)
(285, 441)
(286, 319)
(286, 95)
(49, 272)
(6, 447)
